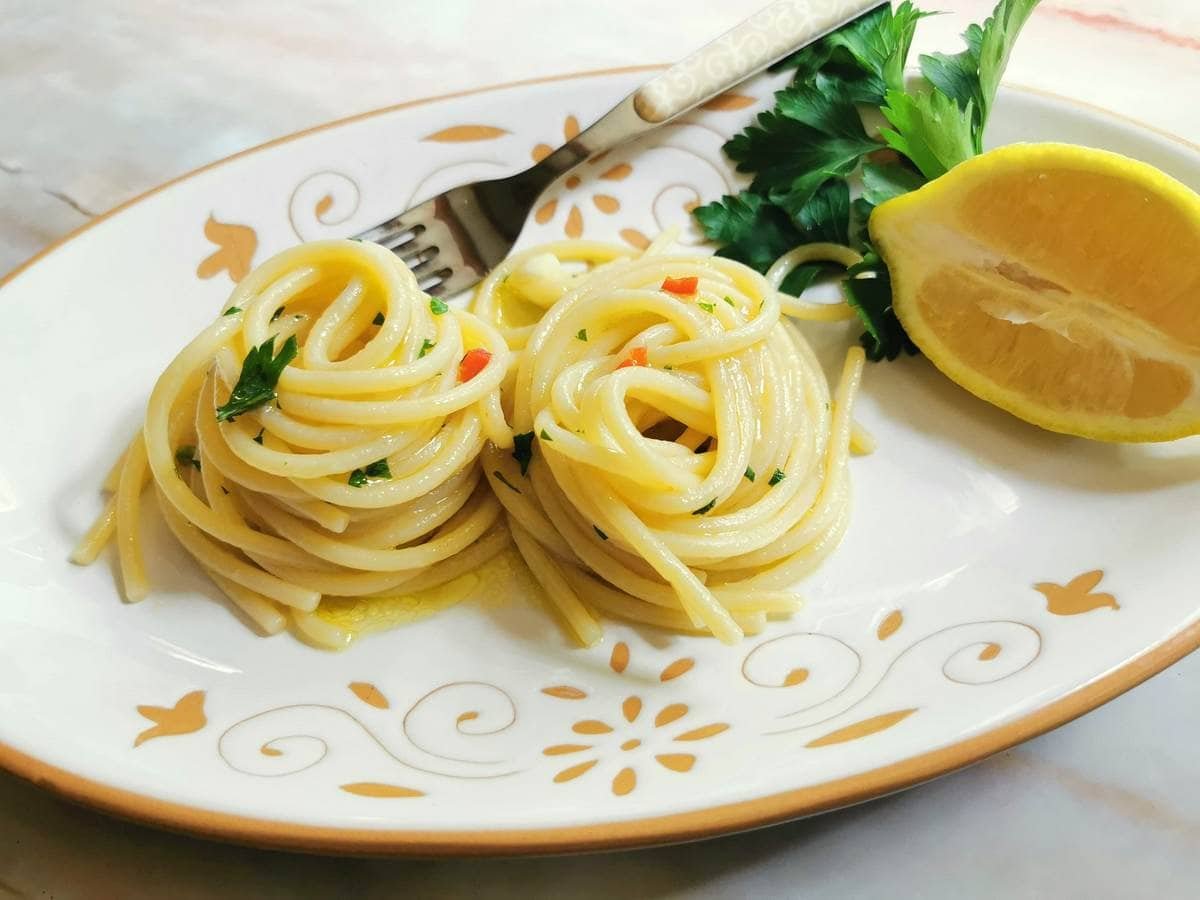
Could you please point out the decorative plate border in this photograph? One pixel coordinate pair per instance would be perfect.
(691, 825)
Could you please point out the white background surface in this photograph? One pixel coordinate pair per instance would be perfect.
(99, 102)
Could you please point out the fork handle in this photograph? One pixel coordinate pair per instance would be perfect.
(762, 39)
(765, 37)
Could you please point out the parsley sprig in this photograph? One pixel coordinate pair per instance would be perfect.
(260, 374)
(803, 153)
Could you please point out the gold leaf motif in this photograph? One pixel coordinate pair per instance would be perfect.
(564, 692)
(704, 732)
(235, 250)
(625, 782)
(728, 102)
(323, 206)
(570, 128)
(796, 676)
(186, 716)
(369, 694)
(606, 204)
(379, 789)
(620, 657)
(562, 749)
(572, 182)
(634, 238)
(269, 751)
(540, 152)
(457, 134)
(676, 762)
(574, 771)
(669, 714)
(677, 668)
(861, 729)
(1076, 596)
(591, 726)
(466, 717)
(574, 226)
(890, 625)
(990, 652)
(619, 172)
(631, 708)
(545, 212)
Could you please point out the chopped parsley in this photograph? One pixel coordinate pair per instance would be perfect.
(544, 436)
(581, 334)
(729, 300)
(504, 481)
(377, 469)
(803, 152)
(232, 311)
(378, 320)
(705, 508)
(707, 307)
(437, 307)
(776, 477)
(523, 450)
(260, 374)
(258, 438)
(426, 346)
(186, 455)
(749, 474)
(599, 533)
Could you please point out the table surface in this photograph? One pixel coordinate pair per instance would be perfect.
(1106, 806)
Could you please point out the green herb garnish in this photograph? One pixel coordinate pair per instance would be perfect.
(544, 436)
(426, 346)
(504, 481)
(437, 307)
(749, 474)
(232, 311)
(258, 438)
(186, 455)
(581, 334)
(377, 469)
(803, 152)
(378, 320)
(707, 307)
(523, 450)
(776, 477)
(729, 300)
(705, 508)
(260, 373)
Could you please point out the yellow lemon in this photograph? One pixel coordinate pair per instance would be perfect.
(1058, 282)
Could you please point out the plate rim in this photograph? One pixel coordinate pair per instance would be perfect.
(646, 831)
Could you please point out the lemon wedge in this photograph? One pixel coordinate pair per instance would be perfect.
(1058, 282)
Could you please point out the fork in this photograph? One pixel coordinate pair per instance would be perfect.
(452, 240)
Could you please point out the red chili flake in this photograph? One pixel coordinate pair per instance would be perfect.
(684, 287)
(473, 363)
(636, 357)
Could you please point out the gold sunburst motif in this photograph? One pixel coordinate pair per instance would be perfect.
(633, 736)
(605, 203)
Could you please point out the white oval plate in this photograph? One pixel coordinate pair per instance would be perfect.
(995, 581)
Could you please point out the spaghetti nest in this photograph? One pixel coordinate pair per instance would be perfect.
(681, 460)
(354, 473)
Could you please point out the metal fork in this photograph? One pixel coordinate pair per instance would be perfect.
(451, 241)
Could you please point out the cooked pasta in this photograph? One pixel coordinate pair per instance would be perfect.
(354, 472)
(680, 459)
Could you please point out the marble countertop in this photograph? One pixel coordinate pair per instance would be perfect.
(101, 101)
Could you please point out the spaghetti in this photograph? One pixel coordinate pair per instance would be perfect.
(355, 473)
(681, 460)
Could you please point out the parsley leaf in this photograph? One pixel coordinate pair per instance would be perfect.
(776, 477)
(377, 469)
(705, 508)
(729, 300)
(581, 334)
(750, 229)
(437, 307)
(749, 474)
(186, 455)
(544, 436)
(707, 307)
(871, 298)
(930, 129)
(426, 346)
(523, 450)
(260, 373)
(378, 320)
(232, 311)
